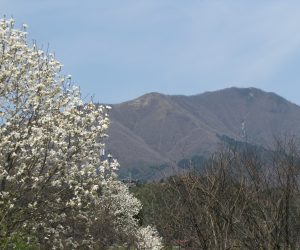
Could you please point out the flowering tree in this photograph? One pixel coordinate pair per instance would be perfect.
(55, 191)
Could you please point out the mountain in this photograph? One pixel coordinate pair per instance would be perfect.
(150, 134)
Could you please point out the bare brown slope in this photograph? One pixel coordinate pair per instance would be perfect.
(131, 149)
(156, 128)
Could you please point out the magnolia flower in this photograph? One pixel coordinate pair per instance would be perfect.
(53, 178)
(25, 26)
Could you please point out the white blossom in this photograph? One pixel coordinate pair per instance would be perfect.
(149, 239)
(52, 180)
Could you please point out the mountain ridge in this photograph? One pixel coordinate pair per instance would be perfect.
(157, 129)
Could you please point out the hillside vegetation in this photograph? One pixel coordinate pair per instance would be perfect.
(241, 201)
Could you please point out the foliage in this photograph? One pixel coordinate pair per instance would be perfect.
(52, 180)
(240, 201)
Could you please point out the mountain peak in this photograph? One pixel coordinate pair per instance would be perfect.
(241, 91)
(247, 93)
(153, 94)
(146, 100)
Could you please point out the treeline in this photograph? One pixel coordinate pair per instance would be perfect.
(241, 200)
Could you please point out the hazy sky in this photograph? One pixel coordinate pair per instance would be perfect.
(117, 50)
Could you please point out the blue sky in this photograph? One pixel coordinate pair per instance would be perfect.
(117, 50)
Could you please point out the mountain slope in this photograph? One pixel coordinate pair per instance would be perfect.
(155, 129)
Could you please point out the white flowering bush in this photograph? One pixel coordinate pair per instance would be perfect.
(148, 238)
(55, 191)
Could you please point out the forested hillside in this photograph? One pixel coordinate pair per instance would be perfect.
(242, 200)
